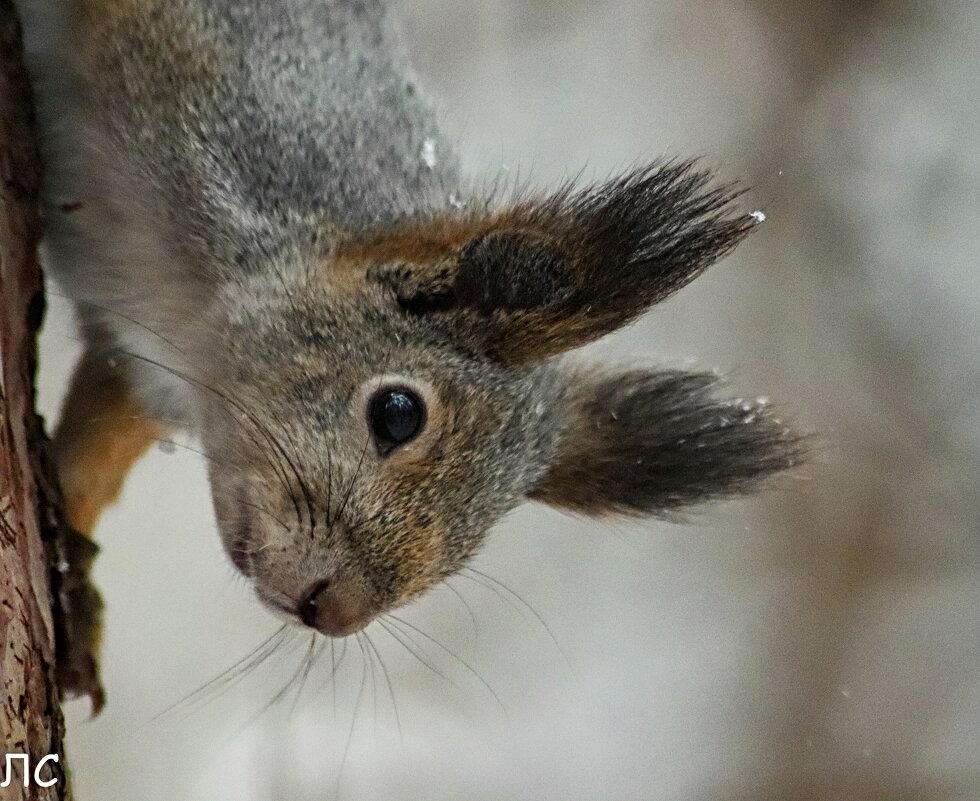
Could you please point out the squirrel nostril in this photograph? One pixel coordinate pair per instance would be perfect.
(307, 607)
(307, 613)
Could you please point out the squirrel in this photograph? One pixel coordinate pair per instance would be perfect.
(270, 244)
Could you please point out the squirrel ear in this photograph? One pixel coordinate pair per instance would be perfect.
(547, 276)
(651, 443)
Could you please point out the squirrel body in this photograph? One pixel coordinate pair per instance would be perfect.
(196, 144)
(269, 244)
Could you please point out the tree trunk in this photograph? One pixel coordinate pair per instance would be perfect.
(31, 722)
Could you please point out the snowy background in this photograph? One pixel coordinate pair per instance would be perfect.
(819, 643)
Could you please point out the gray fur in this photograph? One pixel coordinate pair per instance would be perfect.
(311, 124)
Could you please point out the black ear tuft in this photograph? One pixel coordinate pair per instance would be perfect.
(641, 237)
(505, 272)
(549, 275)
(651, 443)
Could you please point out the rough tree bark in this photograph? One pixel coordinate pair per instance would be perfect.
(30, 714)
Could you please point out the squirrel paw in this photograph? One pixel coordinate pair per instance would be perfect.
(79, 624)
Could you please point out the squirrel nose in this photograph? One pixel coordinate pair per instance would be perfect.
(334, 608)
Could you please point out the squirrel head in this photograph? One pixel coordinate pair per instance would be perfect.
(408, 390)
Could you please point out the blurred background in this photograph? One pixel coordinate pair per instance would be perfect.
(820, 642)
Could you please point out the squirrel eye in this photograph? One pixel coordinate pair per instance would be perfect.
(396, 416)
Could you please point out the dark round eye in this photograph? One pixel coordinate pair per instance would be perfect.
(396, 416)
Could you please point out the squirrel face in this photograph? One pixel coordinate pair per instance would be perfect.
(407, 392)
(353, 485)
